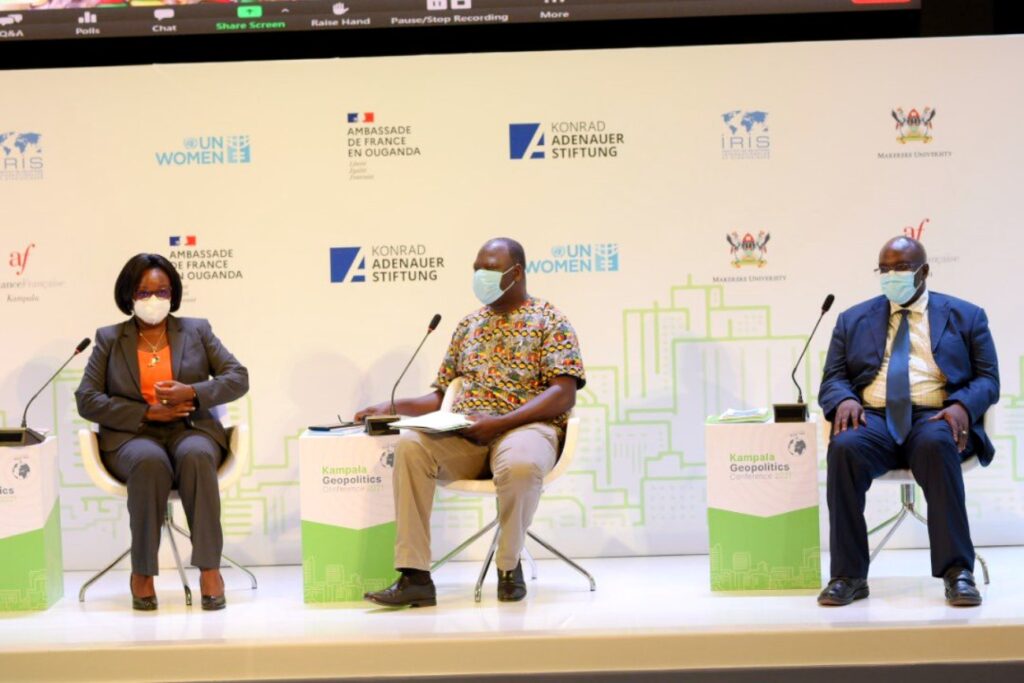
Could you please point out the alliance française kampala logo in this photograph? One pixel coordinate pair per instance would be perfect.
(211, 150)
(21, 156)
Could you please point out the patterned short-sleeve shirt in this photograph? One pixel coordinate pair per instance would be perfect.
(507, 359)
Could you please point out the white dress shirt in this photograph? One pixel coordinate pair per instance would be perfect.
(927, 383)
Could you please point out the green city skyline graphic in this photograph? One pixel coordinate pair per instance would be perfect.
(640, 459)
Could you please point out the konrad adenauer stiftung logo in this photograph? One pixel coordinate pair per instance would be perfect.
(564, 140)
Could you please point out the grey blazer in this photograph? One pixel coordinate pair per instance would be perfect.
(110, 393)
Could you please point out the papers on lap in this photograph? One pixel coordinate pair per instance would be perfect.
(436, 422)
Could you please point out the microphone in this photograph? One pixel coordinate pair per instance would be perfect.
(25, 435)
(378, 424)
(797, 412)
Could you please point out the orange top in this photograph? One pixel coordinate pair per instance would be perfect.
(153, 368)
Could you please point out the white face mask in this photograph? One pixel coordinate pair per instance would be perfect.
(152, 310)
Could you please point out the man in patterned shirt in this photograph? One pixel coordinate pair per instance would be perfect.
(521, 366)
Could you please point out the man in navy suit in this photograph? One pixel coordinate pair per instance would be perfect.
(908, 378)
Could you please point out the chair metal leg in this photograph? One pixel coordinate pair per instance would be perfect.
(465, 544)
(896, 525)
(177, 560)
(984, 566)
(530, 561)
(919, 517)
(236, 565)
(479, 589)
(100, 573)
(551, 549)
(252, 577)
(886, 523)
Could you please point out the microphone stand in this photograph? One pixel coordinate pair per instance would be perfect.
(797, 412)
(379, 425)
(25, 435)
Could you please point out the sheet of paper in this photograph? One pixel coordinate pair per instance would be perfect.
(439, 421)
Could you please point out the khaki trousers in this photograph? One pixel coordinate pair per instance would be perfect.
(519, 460)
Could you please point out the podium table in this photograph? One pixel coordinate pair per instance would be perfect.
(762, 500)
(348, 514)
(31, 560)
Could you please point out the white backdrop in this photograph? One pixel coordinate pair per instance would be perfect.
(628, 237)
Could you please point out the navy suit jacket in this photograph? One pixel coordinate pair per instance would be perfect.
(110, 393)
(961, 345)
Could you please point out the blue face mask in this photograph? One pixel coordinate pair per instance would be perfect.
(898, 287)
(487, 285)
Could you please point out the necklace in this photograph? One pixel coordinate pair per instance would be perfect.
(155, 359)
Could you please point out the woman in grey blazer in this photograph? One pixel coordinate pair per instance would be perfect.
(150, 384)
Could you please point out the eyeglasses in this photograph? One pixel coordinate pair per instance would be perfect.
(899, 268)
(162, 293)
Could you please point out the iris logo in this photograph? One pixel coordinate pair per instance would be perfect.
(525, 141)
(21, 156)
(348, 264)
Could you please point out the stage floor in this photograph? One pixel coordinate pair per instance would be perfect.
(647, 614)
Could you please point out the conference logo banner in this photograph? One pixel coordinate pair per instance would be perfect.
(564, 140)
(368, 141)
(21, 156)
(18, 284)
(748, 251)
(746, 136)
(384, 264)
(914, 127)
(578, 258)
(19, 471)
(201, 263)
(208, 150)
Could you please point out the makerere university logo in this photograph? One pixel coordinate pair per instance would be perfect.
(564, 140)
(748, 250)
(21, 156)
(914, 126)
(208, 150)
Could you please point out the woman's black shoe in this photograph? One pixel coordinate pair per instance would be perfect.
(146, 604)
(213, 602)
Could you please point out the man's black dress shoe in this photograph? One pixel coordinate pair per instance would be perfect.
(146, 604)
(511, 585)
(404, 593)
(842, 591)
(961, 590)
